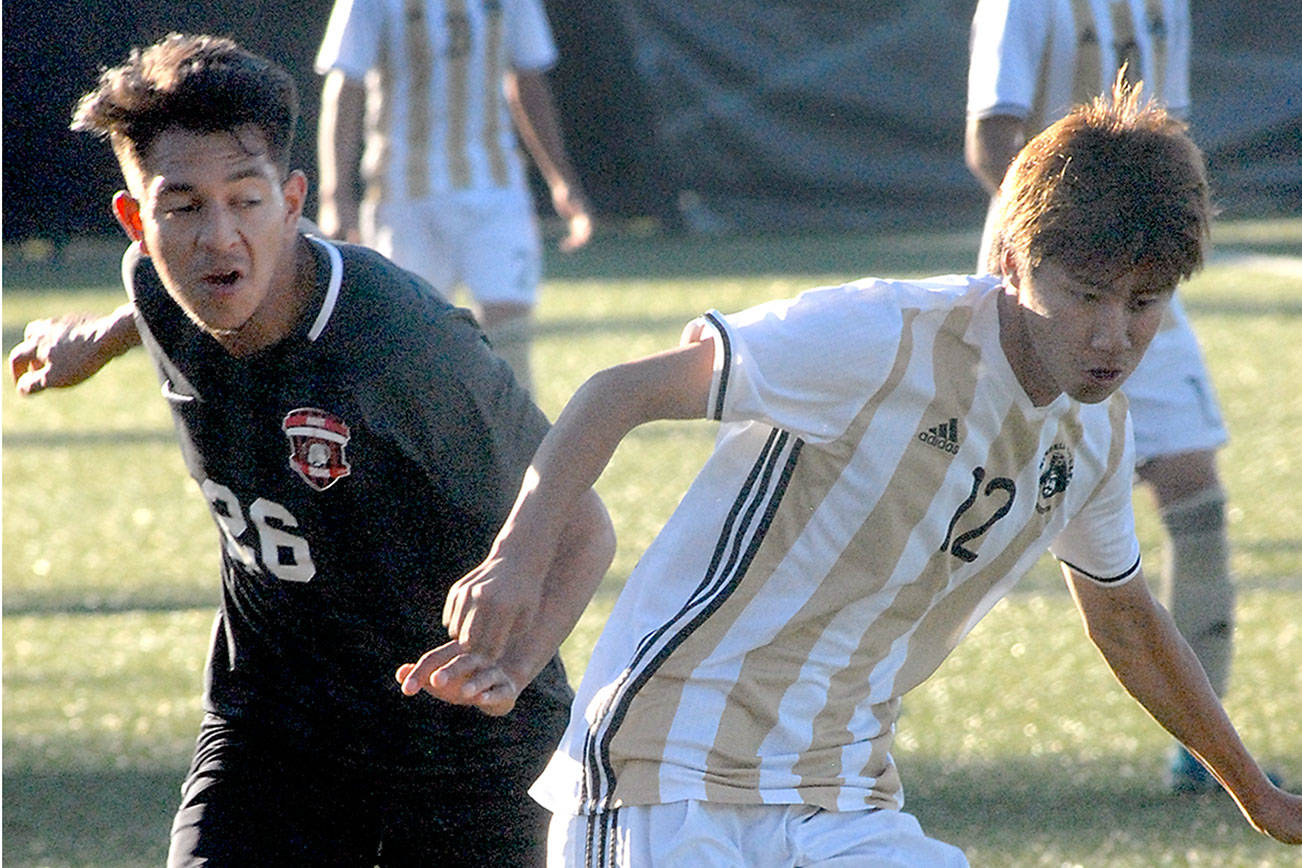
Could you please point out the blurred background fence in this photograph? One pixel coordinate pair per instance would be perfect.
(714, 115)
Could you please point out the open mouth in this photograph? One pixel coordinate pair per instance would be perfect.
(222, 278)
(1105, 375)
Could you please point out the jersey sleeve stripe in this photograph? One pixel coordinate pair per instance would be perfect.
(1107, 580)
(716, 320)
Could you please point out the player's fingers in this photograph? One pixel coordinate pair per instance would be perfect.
(415, 676)
(32, 380)
(22, 357)
(484, 634)
(580, 232)
(484, 680)
(498, 699)
(453, 678)
(462, 679)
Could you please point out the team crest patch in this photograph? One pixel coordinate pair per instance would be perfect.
(1055, 475)
(316, 446)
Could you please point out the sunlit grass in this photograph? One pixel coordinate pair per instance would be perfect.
(1022, 748)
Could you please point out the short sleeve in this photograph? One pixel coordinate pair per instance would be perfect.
(1099, 541)
(1008, 40)
(530, 45)
(805, 365)
(352, 39)
(458, 412)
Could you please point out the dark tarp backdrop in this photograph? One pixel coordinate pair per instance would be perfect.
(716, 115)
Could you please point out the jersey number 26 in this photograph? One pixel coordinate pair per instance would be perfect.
(281, 553)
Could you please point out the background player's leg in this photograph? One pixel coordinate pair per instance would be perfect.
(509, 329)
(1196, 583)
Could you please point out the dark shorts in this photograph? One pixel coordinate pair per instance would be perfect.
(249, 800)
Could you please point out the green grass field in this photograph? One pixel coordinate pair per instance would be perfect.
(1023, 749)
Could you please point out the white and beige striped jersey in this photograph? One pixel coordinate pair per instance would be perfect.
(436, 112)
(880, 480)
(1035, 59)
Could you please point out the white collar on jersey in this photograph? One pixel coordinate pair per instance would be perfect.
(332, 291)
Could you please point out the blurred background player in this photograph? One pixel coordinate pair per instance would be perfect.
(1031, 60)
(421, 96)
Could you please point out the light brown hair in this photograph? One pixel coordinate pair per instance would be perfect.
(1115, 185)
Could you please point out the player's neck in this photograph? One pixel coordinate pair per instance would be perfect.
(1020, 352)
(293, 286)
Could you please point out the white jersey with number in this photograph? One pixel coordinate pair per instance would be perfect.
(437, 117)
(880, 480)
(1035, 59)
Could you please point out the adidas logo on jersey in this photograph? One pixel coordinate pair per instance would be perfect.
(943, 436)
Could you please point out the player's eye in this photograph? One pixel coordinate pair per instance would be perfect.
(181, 208)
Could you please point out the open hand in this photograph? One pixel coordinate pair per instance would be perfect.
(487, 607)
(452, 675)
(573, 209)
(57, 352)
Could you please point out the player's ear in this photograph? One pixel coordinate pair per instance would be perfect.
(1008, 260)
(294, 189)
(127, 210)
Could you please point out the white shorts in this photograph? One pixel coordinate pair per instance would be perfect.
(1173, 405)
(709, 835)
(484, 240)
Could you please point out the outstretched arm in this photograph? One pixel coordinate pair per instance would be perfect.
(1154, 663)
(534, 111)
(510, 595)
(64, 351)
(455, 674)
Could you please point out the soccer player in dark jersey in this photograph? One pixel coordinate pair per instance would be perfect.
(359, 446)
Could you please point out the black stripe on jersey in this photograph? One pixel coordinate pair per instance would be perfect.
(596, 755)
(1106, 580)
(717, 321)
(599, 843)
(743, 530)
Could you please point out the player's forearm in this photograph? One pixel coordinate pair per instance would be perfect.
(1167, 679)
(488, 607)
(1157, 667)
(339, 141)
(570, 459)
(568, 462)
(582, 557)
(534, 113)
(115, 333)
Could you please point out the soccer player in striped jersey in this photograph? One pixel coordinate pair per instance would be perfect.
(893, 456)
(424, 93)
(1030, 61)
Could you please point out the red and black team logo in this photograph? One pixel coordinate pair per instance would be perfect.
(316, 446)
